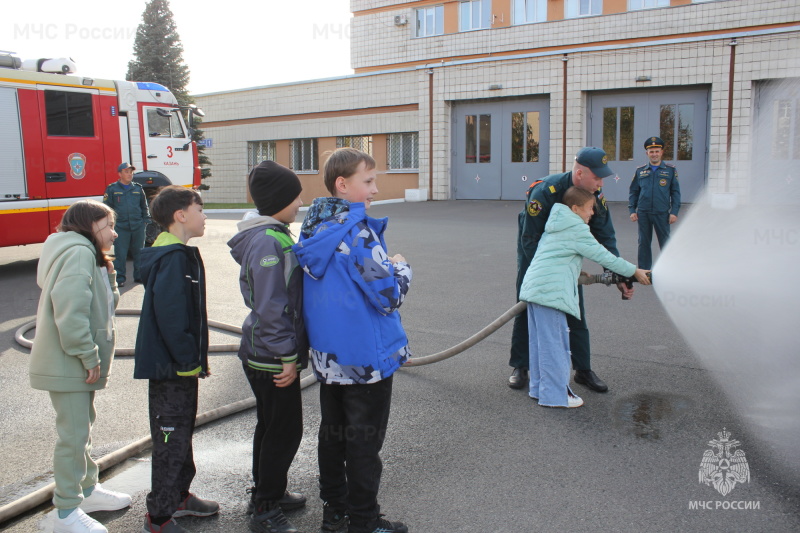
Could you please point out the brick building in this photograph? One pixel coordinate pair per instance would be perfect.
(473, 99)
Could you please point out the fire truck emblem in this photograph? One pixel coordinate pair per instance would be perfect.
(77, 165)
(721, 468)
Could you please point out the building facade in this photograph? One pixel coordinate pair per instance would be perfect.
(476, 99)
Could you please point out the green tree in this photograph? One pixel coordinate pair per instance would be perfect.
(158, 57)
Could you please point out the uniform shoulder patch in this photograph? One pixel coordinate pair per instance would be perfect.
(534, 208)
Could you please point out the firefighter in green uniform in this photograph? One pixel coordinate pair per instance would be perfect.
(127, 198)
(587, 173)
(654, 200)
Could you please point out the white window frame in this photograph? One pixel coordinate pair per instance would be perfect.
(258, 151)
(397, 141)
(637, 5)
(573, 8)
(299, 149)
(530, 11)
(474, 15)
(422, 28)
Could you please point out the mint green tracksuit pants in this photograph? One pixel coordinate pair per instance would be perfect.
(73, 467)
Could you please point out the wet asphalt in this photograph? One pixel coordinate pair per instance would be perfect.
(464, 452)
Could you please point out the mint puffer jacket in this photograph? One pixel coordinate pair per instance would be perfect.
(552, 277)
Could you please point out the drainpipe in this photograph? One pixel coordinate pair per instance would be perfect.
(430, 134)
(564, 119)
(729, 139)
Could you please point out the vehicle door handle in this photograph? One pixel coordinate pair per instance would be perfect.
(53, 177)
(152, 156)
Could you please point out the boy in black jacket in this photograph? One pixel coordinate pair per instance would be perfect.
(274, 341)
(172, 352)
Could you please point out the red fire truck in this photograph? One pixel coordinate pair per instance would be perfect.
(62, 137)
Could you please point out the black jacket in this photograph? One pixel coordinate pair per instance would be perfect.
(173, 327)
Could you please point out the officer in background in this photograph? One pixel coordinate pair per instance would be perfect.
(127, 198)
(654, 200)
(587, 173)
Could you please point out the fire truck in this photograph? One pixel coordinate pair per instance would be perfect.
(62, 137)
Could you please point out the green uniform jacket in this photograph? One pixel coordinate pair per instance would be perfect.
(655, 192)
(532, 220)
(130, 205)
(74, 324)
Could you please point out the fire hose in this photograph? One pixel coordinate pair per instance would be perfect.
(43, 494)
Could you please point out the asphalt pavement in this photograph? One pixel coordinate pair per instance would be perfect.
(463, 452)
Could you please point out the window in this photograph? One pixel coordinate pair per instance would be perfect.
(258, 151)
(475, 15)
(677, 131)
(69, 114)
(584, 8)
(526, 11)
(359, 142)
(618, 133)
(304, 155)
(430, 21)
(478, 147)
(785, 129)
(164, 123)
(525, 137)
(403, 151)
(634, 5)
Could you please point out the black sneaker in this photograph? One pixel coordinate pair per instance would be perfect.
(290, 500)
(384, 526)
(333, 519)
(270, 521)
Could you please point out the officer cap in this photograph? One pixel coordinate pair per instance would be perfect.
(125, 165)
(596, 160)
(653, 142)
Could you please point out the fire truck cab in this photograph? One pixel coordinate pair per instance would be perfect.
(62, 137)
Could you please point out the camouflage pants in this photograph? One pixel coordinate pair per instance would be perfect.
(173, 408)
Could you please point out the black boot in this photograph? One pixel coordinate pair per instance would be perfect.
(589, 379)
(519, 378)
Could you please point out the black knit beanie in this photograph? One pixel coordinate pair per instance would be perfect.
(273, 187)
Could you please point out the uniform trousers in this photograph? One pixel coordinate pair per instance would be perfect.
(648, 222)
(128, 241)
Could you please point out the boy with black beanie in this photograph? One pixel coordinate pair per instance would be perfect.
(274, 342)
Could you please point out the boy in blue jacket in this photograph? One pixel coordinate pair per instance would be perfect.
(274, 342)
(550, 287)
(172, 352)
(352, 292)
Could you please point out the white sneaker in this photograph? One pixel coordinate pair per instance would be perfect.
(77, 522)
(104, 500)
(574, 401)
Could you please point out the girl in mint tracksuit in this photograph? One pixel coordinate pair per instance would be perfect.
(72, 353)
(550, 287)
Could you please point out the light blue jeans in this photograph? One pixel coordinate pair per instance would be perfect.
(548, 346)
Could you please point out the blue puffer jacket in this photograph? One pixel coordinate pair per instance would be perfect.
(552, 277)
(351, 292)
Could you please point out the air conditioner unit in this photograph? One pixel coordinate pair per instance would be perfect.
(400, 20)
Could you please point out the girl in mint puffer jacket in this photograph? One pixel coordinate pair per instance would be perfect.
(550, 287)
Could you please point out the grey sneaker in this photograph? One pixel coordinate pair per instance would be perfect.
(169, 527)
(270, 521)
(194, 506)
